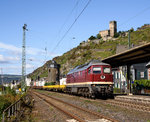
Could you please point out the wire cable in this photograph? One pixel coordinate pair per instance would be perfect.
(134, 16)
(68, 17)
(72, 25)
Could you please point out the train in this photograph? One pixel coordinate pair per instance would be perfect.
(93, 79)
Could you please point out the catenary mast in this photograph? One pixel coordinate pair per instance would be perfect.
(23, 83)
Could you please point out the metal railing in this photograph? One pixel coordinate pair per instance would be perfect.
(13, 111)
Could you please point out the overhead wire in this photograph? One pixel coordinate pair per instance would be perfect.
(72, 25)
(66, 20)
(134, 16)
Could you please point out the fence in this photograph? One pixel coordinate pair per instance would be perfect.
(14, 111)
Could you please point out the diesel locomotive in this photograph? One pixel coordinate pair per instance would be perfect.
(92, 79)
(89, 80)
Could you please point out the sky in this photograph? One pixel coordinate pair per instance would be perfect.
(48, 22)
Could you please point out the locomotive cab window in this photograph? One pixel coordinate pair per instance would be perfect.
(96, 70)
(89, 71)
(106, 70)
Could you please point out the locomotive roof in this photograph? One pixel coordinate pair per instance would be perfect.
(85, 66)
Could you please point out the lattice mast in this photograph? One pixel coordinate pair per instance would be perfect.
(23, 83)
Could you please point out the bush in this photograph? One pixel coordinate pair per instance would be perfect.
(143, 83)
(92, 38)
(116, 35)
(98, 36)
(47, 84)
(4, 103)
(117, 91)
(131, 30)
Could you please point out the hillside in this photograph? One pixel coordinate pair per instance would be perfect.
(94, 49)
(9, 78)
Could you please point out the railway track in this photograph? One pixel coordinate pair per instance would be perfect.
(127, 104)
(143, 107)
(74, 112)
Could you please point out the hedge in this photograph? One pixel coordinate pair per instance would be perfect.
(142, 83)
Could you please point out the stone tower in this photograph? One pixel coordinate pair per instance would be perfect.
(53, 72)
(112, 28)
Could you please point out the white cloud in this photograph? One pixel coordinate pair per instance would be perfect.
(11, 57)
(29, 50)
(8, 59)
(29, 66)
(10, 48)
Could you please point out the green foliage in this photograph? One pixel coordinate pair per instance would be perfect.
(116, 35)
(98, 36)
(47, 84)
(132, 29)
(4, 103)
(19, 86)
(92, 38)
(117, 91)
(44, 74)
(143, 83)
(10, 91)
(136, 37)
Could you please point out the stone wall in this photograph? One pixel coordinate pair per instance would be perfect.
(111, 32)
(104, 33)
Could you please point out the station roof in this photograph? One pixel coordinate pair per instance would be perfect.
(140, 54)
(148, 65)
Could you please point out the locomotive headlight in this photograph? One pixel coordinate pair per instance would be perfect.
(102, 77)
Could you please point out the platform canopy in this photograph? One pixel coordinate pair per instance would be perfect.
(140, 54)
(148, 65)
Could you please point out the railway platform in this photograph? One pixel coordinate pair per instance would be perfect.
(134, 98)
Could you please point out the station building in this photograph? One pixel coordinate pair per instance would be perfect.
(138, 72)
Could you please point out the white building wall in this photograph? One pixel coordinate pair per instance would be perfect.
(63, 81)
(28, 81)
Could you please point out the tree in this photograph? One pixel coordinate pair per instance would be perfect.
(116, 35)
(92, 38)
(132, 29)
(98, 36)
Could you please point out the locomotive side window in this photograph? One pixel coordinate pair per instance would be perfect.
(89, 71)
(96, 70)
(106, 70)
(81, 73)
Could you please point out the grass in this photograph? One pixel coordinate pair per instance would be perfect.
(87, 101)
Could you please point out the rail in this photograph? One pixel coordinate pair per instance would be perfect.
(74, 106)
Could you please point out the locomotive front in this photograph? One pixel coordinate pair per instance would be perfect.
(102, 79)
(92, 79)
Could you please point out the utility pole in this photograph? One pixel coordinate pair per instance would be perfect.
(129, 68)
(23, 83)
(2, 80)
(129, 39)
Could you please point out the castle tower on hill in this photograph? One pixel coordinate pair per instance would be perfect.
(112, 28)
(108, 34)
